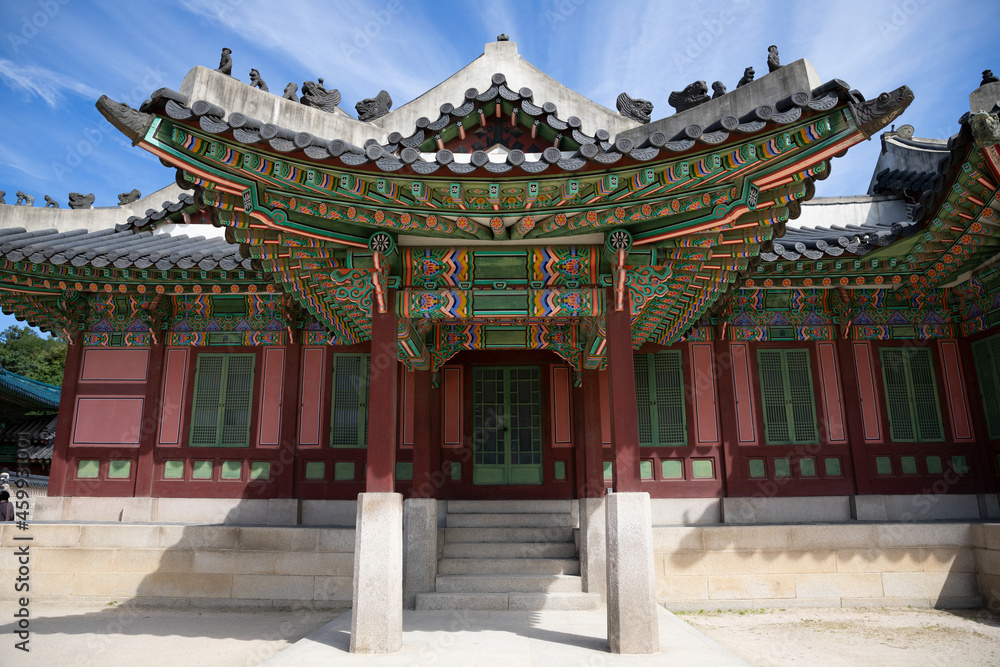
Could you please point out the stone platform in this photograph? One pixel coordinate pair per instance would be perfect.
(504, 638)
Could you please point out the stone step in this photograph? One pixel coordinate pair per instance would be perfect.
(512, 601)
(484, 550)
(544, 535)
(531, 520)
(510, 506)
(506, 584)
(559, 601)
(508, 566)
(470, 601)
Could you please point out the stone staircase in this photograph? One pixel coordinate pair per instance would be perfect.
(509, 554)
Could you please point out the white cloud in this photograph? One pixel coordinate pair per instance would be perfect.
(41, 82)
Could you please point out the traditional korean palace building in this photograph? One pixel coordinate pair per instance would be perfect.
(504, 291)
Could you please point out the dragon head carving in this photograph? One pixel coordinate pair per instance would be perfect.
(872, 115)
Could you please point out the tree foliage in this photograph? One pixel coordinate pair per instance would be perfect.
(26, 353)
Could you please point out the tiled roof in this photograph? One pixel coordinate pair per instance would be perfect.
(814, 243)
(597, 150)
(127, 248)
(36, 431)
(167, 211)
(897, 181)
(30, 393)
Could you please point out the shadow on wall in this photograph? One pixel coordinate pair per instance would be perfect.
(870, 564)
(218, 561)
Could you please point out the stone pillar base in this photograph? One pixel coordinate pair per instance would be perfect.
(377, 613)
(593, 558)
(633, 626)
(420, 523)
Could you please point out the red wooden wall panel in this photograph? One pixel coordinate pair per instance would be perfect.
(954, 382)
(452, 404)
(311, 395)
(746, 413)
(107, 420)
(561, 416)
(605, 396)
(172, 405)
(705, 409)
(870, 417)
(272, 390)
(114, 364)
(830, 382)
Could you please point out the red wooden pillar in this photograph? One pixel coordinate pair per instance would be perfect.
(150, 428)
(423, 482)
(591, 476)
(382, 399)
(621, 378)
(64, 421)
(726, 388)
(284, 470)
(855, 425)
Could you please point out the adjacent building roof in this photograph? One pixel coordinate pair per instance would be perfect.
(127, 246)
(814, 243)
(31, 394)
(37, 432)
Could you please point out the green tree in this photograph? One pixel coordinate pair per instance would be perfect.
(26, 353)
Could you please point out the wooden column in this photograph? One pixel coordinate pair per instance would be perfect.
(727, 423)
(284, 468)
(589, 442)
(423, 482)
(382, 399)
(150, 428)
(64, 421)
(855, 425)
(621, 378)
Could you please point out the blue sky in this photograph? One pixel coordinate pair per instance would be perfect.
(58, 56)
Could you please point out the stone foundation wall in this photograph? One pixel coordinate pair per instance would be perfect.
(950, 565)
(183, 565)
(986, 539)
(743, 567)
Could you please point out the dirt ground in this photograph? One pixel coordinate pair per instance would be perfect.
(881, 636)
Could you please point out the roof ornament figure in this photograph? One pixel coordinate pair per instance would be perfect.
(2, 195)
(129, 197)
(503, 38)
(718, 89)
(130, 122)
(24, 199)
(226, 63)
(291, 92)
(256, 81)
(773, 64)
(371, 108)
(50, 202)
(985, 129)
(634, 108)
(79, 200)
(747, 77)
(316, 96)
(989, 77)
(872, 115)
(692, 95)
(905, 131)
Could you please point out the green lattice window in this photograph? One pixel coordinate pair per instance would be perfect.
(349, 408)
(787, 396)
(911, 395)
(987, 355)
(223, 397)
(659, 397)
